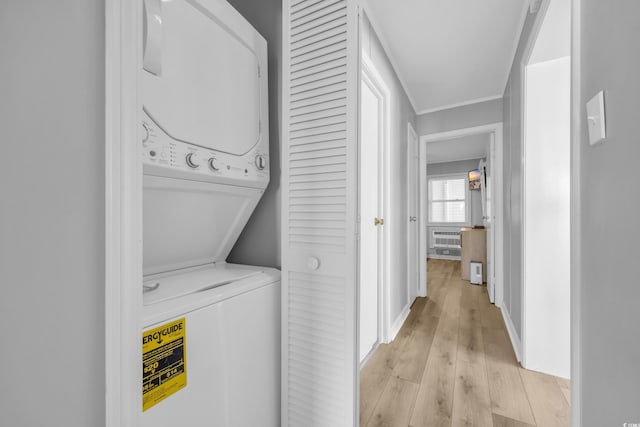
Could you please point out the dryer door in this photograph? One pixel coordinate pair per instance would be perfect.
(202, 82)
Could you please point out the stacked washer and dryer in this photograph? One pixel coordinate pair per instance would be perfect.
(205, 155)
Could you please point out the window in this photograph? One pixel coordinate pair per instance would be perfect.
(448, 200)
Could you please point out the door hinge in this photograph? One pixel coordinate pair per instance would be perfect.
(259, 72)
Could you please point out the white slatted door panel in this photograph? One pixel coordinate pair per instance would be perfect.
(320, 110)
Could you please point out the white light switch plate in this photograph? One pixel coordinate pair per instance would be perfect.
(596, 119)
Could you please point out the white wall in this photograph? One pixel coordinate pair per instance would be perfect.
(547, 192)
(52, 213)
(401, 113)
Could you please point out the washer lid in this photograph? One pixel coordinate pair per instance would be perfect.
(179, 284)
(190, 223)
(202, 82)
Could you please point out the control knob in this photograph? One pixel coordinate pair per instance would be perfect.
(213, 164)
(145, 132)
(192, 160)
(261, 162)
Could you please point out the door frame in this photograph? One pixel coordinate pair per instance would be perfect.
(370, 75)
(526, 55)
(576, 219)
(496, 148)
(123, 213)
(576, 198)
(529, 47)
(421, 256)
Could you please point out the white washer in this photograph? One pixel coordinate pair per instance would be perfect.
(205, 150)
(232, 348)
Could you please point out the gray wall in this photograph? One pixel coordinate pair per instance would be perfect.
(481, 113)
(475, 197)
(512, 167)
(259, 243)
(610, 292)
(52, 213)
(401, 113)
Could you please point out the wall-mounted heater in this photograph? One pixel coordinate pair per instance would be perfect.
(446, 243)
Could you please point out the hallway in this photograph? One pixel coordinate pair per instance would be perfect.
(452, 364)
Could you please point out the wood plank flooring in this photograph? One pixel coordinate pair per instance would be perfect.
(452, 364)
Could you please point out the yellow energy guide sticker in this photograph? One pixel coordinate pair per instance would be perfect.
(164, 363)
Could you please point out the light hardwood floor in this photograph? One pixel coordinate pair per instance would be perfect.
(452, 364)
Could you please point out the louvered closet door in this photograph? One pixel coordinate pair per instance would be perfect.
(320, 118)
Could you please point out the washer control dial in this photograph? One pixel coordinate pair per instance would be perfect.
(192, 160)
(145, 132)
(261, 162)
(213, 164)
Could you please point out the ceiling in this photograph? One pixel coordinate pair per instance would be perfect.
(449, 52)
(463, 148)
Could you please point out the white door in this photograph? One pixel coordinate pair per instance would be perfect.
(321, 79)
(488, 218)
(413, 232)
(370, 213)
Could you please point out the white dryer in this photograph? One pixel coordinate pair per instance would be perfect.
(211, 330)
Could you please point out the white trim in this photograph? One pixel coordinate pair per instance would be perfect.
(458, 159)
(374, 80)
(498, 222)
(369, 355)
(385, 47)
(422, 247)
(397, 324)
(284, 126)
(457, 133)
(535, 31)
(526, 55)
(422, 214)
(123, 214)
(513, 335)
(460, 104)
(516, 43)
(576, 219)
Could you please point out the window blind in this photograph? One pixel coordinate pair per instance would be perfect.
(447, 200)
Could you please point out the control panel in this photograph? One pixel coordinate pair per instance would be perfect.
(159, 150)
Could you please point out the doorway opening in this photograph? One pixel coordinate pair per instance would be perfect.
(481, 142)
(546, 192)
(373, 211)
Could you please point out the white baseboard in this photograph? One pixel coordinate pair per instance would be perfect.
(397, 324)
(511, 329)
(368, 356)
